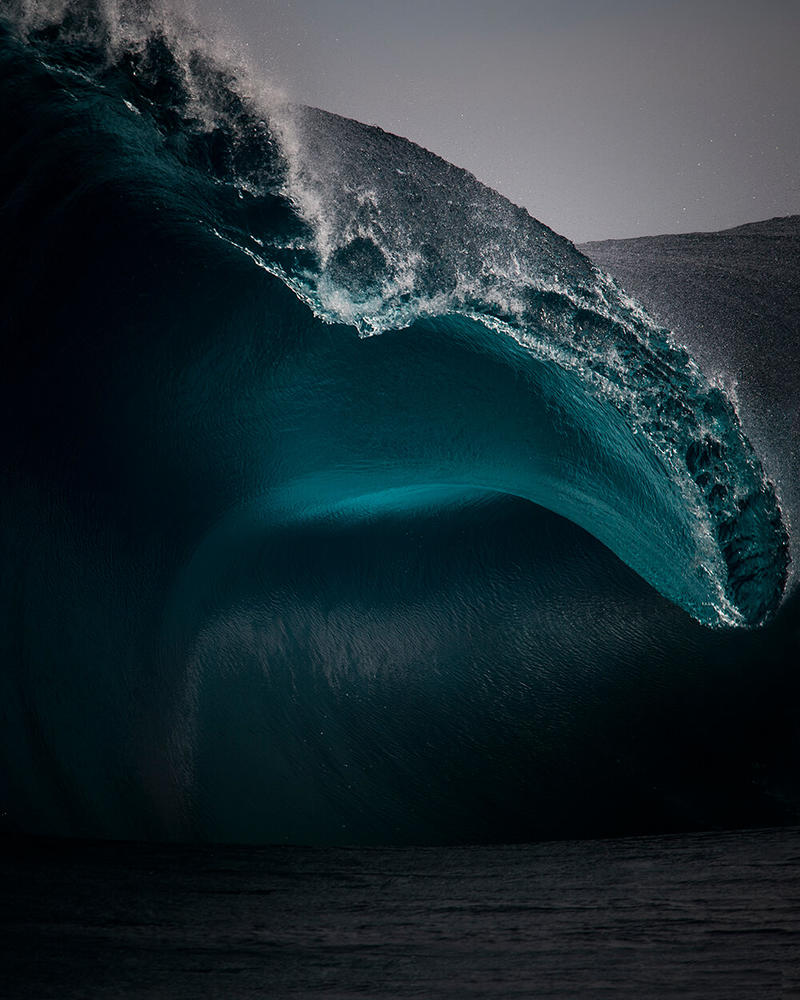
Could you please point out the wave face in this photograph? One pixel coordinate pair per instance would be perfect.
(304, 423)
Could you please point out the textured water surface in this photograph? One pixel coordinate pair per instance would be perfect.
(695, 916)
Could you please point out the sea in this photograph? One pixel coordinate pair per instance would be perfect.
(347, 509)
(699, 916)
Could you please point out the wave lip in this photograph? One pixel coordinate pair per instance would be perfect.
(371, 231)
(389, 244)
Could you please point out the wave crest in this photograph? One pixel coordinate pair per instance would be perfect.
(370, 230)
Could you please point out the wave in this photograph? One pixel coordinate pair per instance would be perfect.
(370, 230)
(254, 347)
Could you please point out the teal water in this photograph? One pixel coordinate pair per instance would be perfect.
(342, 500)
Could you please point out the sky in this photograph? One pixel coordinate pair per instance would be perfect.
(604, 118)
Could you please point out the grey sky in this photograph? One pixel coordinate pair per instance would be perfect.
(602, 117)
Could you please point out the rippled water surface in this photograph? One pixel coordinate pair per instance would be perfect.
(704, 915)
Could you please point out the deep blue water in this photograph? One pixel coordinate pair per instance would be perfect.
(345, 503)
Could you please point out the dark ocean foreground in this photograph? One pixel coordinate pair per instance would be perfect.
(695, 917)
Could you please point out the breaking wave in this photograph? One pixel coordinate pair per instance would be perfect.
(261, 344)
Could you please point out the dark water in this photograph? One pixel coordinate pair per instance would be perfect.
(704, 916)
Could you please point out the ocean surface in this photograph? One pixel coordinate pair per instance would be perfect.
(696, 917)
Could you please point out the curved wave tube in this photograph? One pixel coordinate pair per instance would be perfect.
(307, 418)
